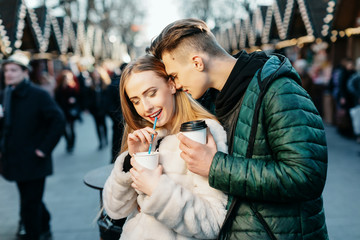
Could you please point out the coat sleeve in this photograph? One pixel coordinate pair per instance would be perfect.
(296, 169)
(119, 198)
(198, 212)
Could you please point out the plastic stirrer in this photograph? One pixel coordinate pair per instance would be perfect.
(152, 136)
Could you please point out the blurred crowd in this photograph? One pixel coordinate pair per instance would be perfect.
(80, 87)
(334, 88)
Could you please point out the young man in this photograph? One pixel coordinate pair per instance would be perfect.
(30, 128)
(276, 167)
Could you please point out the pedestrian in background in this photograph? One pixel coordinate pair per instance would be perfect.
(114, 111)
(48, 83)
(277, 163)
(353, 86)
(85, 83)
(30, 129)
(97, 103)
(67, 96)
(343, 99)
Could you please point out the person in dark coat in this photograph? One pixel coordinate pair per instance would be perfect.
(67, 96)
(114, 111)
(343, 99)
(31, 126)
(97, 99)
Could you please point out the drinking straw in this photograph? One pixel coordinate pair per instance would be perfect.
(152, 136)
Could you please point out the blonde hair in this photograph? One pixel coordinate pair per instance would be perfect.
(186, 108)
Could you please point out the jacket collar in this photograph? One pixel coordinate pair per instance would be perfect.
(22, 89)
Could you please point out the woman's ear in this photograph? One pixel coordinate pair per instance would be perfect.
(172, 86)
(198, 63)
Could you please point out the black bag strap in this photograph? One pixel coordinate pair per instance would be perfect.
(263, 222)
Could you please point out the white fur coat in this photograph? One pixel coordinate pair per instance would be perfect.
(183, 205)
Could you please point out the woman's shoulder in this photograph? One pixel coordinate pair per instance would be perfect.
(213, 124)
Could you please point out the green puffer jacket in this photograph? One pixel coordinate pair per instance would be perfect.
(283, 178)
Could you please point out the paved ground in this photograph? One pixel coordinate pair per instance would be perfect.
(74, 206)
(342, 191)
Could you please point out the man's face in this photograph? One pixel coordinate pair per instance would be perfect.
(186, 74)
(14, 74)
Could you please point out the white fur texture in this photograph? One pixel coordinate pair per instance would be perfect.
(183, 206)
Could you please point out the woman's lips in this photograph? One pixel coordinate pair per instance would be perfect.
(155, 115)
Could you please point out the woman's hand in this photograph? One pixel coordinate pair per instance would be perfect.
(144, 180)
(139, 140)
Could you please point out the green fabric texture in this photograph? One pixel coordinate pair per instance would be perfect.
(286, 174)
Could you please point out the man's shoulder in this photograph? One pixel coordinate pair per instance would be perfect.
(36, 89)
(284, 84)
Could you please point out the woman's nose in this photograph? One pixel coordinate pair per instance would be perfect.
(147, 105)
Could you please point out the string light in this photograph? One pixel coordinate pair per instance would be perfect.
(68, 38)
(36, 27)
(283, 24)
(328, 18)
(84, 40)
(266, 32)
(57, 31)
(20, 26)
(80, 37)
(90, 40)
(4, 39)
(248, 27)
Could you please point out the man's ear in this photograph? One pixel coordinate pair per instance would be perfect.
(198, 63)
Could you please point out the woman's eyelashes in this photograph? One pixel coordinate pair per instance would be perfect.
(152, 93)
(136, 101)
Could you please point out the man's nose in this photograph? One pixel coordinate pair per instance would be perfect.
(178, 85)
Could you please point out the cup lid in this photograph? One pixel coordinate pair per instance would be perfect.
(193, 126)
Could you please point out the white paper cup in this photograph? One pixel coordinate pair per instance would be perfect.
(198, 135)
(150, 161)
(195, 130)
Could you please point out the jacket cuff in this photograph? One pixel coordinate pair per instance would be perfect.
(214, 166)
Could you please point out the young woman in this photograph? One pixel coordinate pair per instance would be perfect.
(169, 202)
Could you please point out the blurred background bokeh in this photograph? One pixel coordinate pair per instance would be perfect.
(82, 45)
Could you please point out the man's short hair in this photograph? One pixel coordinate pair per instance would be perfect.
(191, 32)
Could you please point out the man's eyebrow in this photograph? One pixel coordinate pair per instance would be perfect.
(172, 74)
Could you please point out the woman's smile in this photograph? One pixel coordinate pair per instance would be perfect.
(156, 114)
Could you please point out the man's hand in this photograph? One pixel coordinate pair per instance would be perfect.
(198, 156)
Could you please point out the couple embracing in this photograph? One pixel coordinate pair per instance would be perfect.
(260, 174)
